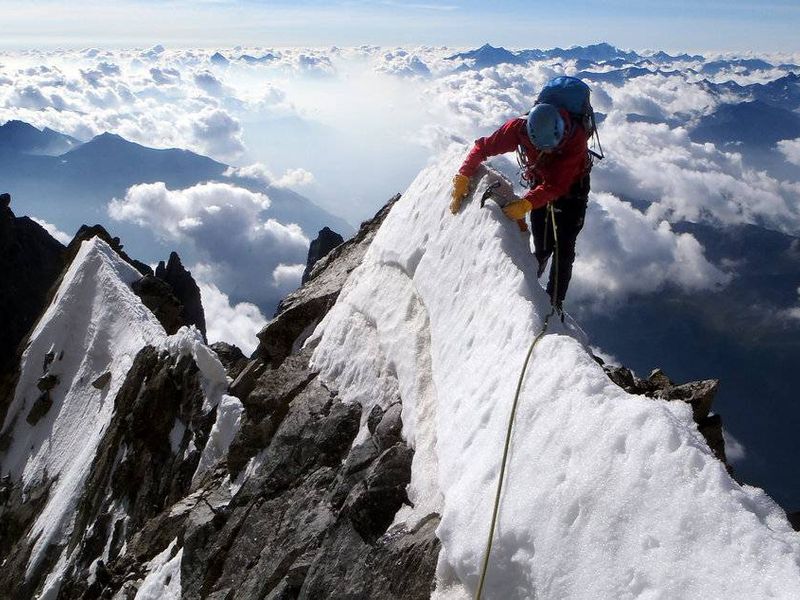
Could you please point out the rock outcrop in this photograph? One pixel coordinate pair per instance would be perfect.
(185, 289)
(145, 461)
(326, 240)
(171, 293)
(301, 310)
(30, 262)
(697, 394)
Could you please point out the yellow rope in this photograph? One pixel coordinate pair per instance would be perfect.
(507, 445)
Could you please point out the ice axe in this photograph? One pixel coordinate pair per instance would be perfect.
(488, 193)
(494, 192)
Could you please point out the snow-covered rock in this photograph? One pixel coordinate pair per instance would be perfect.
(361, 442)
(110, 420)
(95, 324)
(608, 495)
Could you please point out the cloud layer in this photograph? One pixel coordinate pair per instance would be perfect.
(225, 231)
(236, 324)
(352, 126)
(624, 251)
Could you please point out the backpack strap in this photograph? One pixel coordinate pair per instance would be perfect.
(596, 136)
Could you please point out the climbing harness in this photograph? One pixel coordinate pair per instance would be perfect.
(507, 445)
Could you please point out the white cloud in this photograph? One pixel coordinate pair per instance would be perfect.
(623, 251)
(158, 98)
(402, 63)
(286, 278)
(165, 76)
(790, 150)
(226, 228)
(688, 181)
(657, 96)
(175, 212)
(218, 134)
(236, 324)
(294, 178)
(793, 313)
(54, 231)
(206, 81)
(257, 172)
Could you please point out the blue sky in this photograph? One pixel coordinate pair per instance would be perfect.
(735, 25)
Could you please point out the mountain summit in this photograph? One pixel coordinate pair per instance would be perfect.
(20, 137)
(356, 453)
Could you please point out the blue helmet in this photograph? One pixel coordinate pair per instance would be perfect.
(545, 126)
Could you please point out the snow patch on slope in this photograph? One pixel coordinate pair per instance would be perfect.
(95, 324)
(188, 341)
(163, 581)
(608, 495)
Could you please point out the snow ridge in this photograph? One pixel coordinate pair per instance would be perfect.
(608, 495)
(95, 325)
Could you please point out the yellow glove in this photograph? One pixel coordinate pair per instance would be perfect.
(517, 210)
(460, 189)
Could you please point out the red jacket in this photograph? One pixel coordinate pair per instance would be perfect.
(553, 173)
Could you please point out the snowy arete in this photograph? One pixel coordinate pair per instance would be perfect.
(76, 361)
(608, 495)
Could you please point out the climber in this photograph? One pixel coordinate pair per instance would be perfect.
(552, 146)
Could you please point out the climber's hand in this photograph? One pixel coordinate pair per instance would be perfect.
(517, 210)
(460, 189)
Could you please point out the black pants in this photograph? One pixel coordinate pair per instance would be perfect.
(570, 211)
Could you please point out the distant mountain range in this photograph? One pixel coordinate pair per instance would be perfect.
(635, 64)
(74, 187)
(783, 92)
(755, 124)
(18, 137)
(488, 55)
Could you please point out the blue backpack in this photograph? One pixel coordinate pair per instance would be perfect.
(572, 94)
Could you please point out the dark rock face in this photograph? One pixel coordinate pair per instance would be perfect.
(30, 263)
(231, 358)
(185, 289)
(301, 310)
(145, 462)
(313, 522)
(320, 247)
(157, 295)
(698, 394)
(172, 295)
(156, 433)
(40, 408)
(400, 564)
(311, 519)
